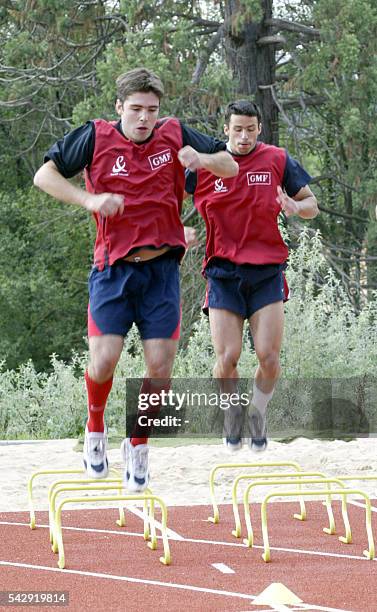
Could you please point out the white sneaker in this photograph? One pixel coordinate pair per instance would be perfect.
(136, 474)
(233, 444)
(95, 457)
(258, 430)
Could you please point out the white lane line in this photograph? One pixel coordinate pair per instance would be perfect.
(278, 548)
(360, 505)
(224, 569)
(170, 585)
(173, 535)
(311, 607)
(315, 553)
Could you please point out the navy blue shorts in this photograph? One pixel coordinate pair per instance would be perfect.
(145, 293)
(244, 289)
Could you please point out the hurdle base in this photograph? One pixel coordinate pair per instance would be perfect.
(213, 519)
(368, 554)
(329, 531)
(345, 540)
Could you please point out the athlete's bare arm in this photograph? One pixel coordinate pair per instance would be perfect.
(304, 203)
(49, 179)
(220, 164)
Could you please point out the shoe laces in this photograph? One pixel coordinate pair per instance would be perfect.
(97, 446)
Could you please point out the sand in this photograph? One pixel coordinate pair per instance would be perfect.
(180, 474)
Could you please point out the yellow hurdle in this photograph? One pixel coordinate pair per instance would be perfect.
(57, 485)
(52, 473)
(347, 539)
(152, 499)
(149, 526)
(226, 466)
(343, 492)
(30, 488)
(275, 475)
(356, 477)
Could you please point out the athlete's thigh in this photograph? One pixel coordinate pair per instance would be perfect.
(105, 349)
(159, 355)
(267, 327)
(226, 331)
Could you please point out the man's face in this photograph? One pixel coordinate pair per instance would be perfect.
(242, 133)
(138, 115)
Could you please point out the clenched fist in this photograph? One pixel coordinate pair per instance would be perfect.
(189, 158)
(106, 204)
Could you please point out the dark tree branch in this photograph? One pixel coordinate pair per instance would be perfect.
(205, 55)
(290, 26)
(192, 213)
(328, 177)
(334, 213)
(303, 101)
(274, 39)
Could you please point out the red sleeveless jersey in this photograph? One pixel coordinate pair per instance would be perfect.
(151, 179)
(241, 213)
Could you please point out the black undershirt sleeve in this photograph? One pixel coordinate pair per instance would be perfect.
(295, 177)
(74, 152)
(191, 180)
(201, 142)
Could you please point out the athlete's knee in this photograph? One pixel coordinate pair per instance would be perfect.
(101, 367)
(226, 363)
(158, 370)
(269, 362)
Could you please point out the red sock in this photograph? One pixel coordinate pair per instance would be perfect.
(97, 397)
(136, 441)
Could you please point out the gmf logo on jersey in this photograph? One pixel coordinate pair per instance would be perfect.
(219, 186)
(258, 178)
(119, 168)
(160, 159)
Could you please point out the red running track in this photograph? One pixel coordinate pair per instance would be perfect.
(114, 570)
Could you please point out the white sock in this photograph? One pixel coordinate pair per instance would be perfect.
(260, 400)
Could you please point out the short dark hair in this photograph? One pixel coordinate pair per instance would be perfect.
(242, 107)
(138, 79)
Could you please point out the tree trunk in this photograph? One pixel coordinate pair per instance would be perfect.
(253, 64)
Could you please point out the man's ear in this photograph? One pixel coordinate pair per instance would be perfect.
(226, 129)
(119, 106)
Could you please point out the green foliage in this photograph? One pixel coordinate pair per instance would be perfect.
(45, 252)
(336, 140)
(325, 343)
(58, 64)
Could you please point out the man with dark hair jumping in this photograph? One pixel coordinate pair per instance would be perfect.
(245, 258)
(134, 175)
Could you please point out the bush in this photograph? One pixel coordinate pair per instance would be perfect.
(329, 363)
